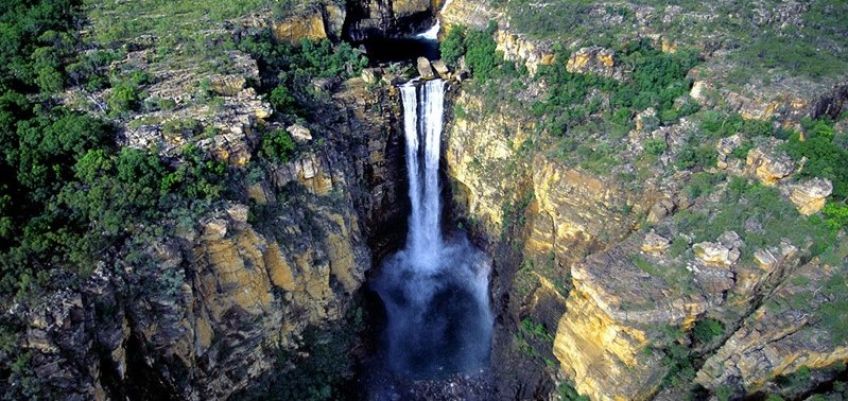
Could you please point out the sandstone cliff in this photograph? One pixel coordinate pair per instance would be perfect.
(200, 310)
(622, 276)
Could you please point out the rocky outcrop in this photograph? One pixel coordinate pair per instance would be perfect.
(769, 164)
(389, 18)
(210, 306)
(787, 99)
(199, 310)
(624, 295)
(309, 26)
(473, 14)
(553, 213)
(810, 196)
(425, 70)
(519, 48)
(228, 129)
(779, 338)
(595, 60)
(311, 22)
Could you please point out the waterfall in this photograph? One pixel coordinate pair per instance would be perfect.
(425, 238)
(431, 33)
(435, 289)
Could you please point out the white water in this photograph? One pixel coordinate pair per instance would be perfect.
(425, 239)
(432, 33)
(435, 291)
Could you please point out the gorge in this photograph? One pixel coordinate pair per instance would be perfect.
(415, 200)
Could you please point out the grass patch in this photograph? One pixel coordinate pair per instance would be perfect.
(676, 277)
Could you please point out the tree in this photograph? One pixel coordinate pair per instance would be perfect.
(281, 98)
(481, 55)
(453, 47)
(277, 145)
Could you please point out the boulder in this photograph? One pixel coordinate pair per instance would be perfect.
(769, 165)
(299, 133)
(369, 75)
(662, 208)
(441, 68)
(647, 120)
(523, 50)
(405, 8)
(425, 70)
(227, 85)
(724, 148)
(308, 25)
(334, 21)
(215, 229)
(654, 243)
(712, 253)
(238, 213)
(810, 196)
(765, 259)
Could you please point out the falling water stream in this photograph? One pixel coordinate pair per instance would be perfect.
(435, 289)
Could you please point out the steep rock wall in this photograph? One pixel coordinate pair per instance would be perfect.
(199, 312)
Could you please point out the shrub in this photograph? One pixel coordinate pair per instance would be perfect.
(706, 330)
(126, 93)
(696, 156)
(655, 147)
(277, 145)
(824, 158)
(481, 54)
(835, 215)
(453, 47)
(702, 183)
(281, 98)
(567, 392)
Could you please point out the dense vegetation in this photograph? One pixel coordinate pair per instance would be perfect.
(71, 199)
(290, 71)
(657, 80)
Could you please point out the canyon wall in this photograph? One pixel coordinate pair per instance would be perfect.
(202, 310)
(587, 254)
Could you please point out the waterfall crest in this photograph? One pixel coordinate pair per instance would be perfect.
(435, 289)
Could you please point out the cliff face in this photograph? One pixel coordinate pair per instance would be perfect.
(597, 271)
(605, 286)
(374, 19)
(554, 215)
(201, 311)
